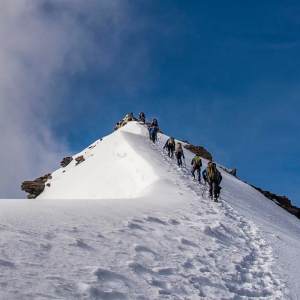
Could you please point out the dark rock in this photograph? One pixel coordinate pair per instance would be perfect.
(281, 201)
(35, 187)
(198, 150)
(232, 172)
(128, 118)
(66, 161)
(79, 159)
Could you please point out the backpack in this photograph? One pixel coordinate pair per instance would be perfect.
(178, 147)
(171, 142)
(197, 161)
(212, 172)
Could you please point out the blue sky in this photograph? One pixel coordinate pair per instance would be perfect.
(221, 74)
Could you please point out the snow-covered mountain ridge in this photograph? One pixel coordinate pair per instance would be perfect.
(127, 223)
(36, 187)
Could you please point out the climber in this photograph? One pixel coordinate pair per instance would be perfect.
(196, 165)
(153, 122)
(170, 145)
(179, 153)
(153, 133)
(142, 117)
(211, 175)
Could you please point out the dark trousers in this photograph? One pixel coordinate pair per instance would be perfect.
(170, 151)
(153, 137)
(213, 188)
(178, 156)
(198, 168)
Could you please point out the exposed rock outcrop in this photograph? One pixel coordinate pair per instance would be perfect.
(199, 150)
(127, 118)
(79, 159)
(232, 171)
(35, 187)
(66, 161)
(282, 201)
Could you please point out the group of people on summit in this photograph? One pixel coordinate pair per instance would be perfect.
(210, 174)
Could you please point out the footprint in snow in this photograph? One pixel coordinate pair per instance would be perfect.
(188, 243)
(6, 263)
(82, 245)
(160, 283)
(155, 220)
(97, 293)
(133, 225)
(164, 271)
(145, 250)
(140, 269)
(173, 222)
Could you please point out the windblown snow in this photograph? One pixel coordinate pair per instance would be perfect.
(127, 223)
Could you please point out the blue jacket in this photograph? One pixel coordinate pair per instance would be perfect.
(153, 130)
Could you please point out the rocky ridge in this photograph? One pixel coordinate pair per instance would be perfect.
(282, 201)
(198, 150)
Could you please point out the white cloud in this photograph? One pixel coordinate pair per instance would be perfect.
(40, 40)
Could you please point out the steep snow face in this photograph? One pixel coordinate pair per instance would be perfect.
(159, 238)
(114, 167)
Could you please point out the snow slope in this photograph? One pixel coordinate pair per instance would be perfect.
(127, 223)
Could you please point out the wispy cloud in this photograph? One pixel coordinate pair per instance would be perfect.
(41, 41)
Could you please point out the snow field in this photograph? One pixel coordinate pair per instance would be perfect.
(162, 241)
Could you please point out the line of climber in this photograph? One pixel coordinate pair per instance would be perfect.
(210, 174)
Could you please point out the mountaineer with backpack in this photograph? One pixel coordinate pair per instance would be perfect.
(179, 153)
(170, 145)
(153, 133)
(196, 165)
(142, 117)
(152, 123)
(213, 177)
